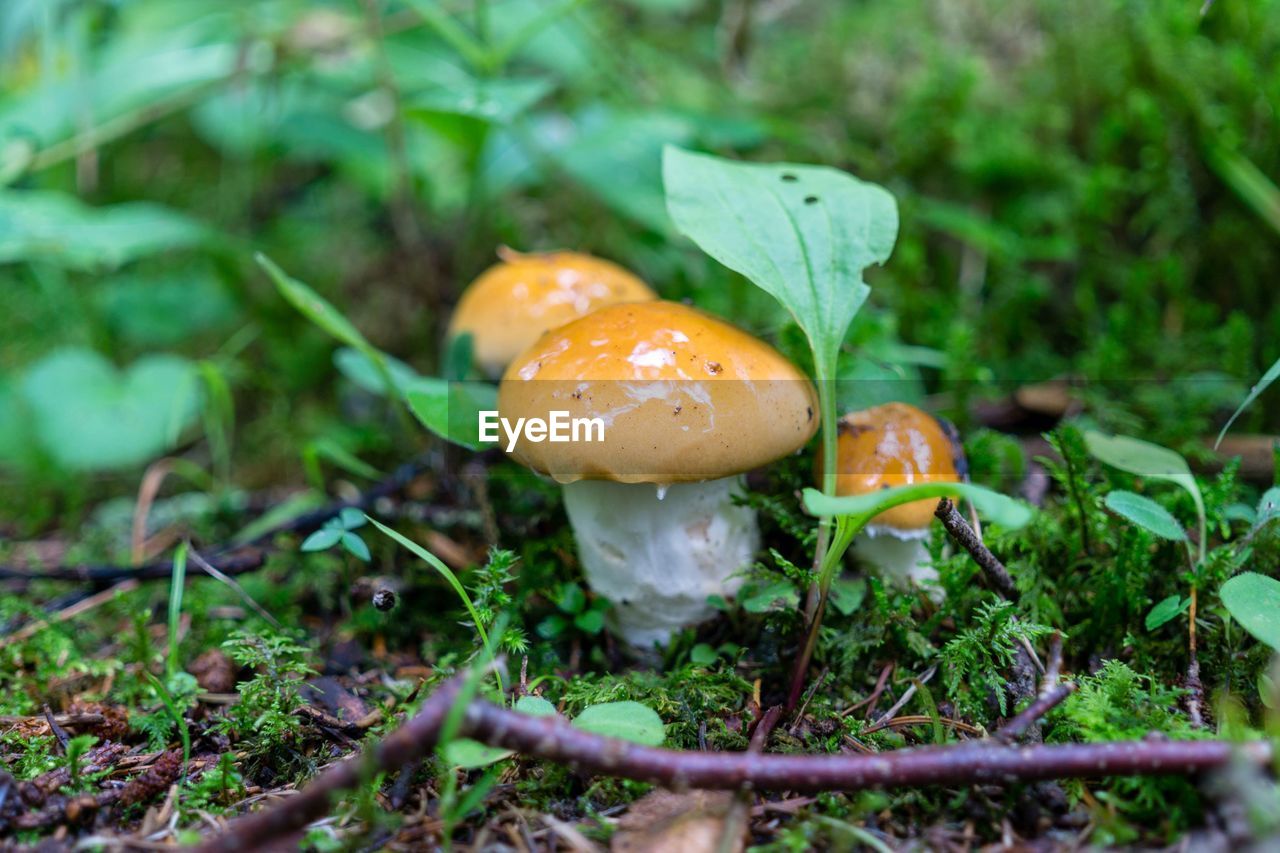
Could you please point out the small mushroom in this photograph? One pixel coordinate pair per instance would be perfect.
(688, 403)
(896, 444)
(512, 303)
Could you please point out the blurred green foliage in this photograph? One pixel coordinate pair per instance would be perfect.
(1085, 189)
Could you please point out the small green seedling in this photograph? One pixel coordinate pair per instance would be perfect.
(575, 610)
(339, 530)
(77, 747)
(1144, 459)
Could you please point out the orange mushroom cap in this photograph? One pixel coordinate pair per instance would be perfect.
(896, 444)
(685, 397)
(512, 303)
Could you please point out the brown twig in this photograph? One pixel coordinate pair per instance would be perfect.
(1053, 669)
(1030, 715)
(997, 575)
(67, 613)
(58, 732)
(70, 721)
(906, 696)
(1195, 689)
(553, 739)
(735, 821)
(920, 720)
(236, 560)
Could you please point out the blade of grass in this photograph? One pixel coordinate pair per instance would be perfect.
(173, 665)
(446, 573)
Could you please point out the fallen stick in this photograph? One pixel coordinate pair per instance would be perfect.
(232, 561)
(997, 575)
(553, 739)
(1029, 716)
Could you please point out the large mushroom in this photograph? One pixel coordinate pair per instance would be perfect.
(896, 444)
(688, 403)
(513, 302)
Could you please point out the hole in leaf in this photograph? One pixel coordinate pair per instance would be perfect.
(811, 199)
(789, 178)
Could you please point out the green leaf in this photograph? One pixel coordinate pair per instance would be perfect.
(702, 655)
(572, 598)
(618, 157)
(1240, 512)
(165, 310)
(1254, 601)
(498, 101)
(1256, 391)
(59, 229)
(354, 544)
(589, 622)
(320, 311)
(328, 449)
(775, 596)
(324, 538)
(1268, 506)
(177, 585)
(552, 627)
(535, 706)
(278, 516)
(451, 410)
(448, 409)
(470, 754)
(999, 509)
(1146, 460)
(1167, 610)
(847, 594)
(804, 234)
(1145, 513)
(89, 416)
(625, 720)
(360, 369)
(352, 518)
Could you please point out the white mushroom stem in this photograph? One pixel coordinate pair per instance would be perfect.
(902, 558)
(658, 553)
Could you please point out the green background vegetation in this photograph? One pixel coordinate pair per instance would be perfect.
(1083, 192)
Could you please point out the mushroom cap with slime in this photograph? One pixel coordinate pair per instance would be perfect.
(683, 397)
(895, 444)
(515, 301)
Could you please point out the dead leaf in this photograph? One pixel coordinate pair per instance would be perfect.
(667, 822)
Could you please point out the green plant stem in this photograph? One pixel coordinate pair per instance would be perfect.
(827, 414)
(815, 603)
(847, 528)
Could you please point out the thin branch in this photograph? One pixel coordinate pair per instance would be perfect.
(554, 739)
(1054, 668)
(906, 697)
(216, 574)
(735, 822)
(997, 574)
(1030, 715)
(84, 605)
(234, 560)
(1195, 689)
